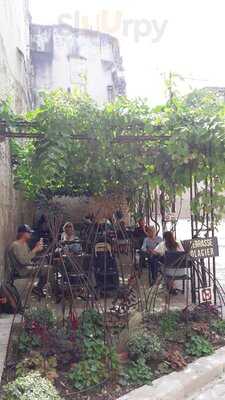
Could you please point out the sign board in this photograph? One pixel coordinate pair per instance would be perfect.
(170, 217)
(206, 295)
(202, 248)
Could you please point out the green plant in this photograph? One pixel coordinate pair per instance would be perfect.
(219, 327)
(193, 128)
(163, 368)
(28, 342)
(204, 312)
(137, 373)
(91, 325)
(168, 323)
(88, 373)
(97, 350)
(94, 349)
(30, 387)
(199, 346)
(36, 362)
(42, 317)
(144, 346)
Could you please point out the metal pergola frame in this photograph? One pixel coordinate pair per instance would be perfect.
(203, 228)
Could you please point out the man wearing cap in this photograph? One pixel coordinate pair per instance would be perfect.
(23, 257)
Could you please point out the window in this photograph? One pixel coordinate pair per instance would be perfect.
(110, 94)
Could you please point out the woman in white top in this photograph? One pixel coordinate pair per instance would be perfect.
(171, 245)
(68, 234)
(168, 244)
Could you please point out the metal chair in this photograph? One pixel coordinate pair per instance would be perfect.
(175, 266)
(105, 268)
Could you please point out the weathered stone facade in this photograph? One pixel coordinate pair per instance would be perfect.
(14, 82)
(33, 58)
(101, 207)
(64, 57)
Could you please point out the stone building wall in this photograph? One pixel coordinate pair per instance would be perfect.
(102, 207)
(14, 82)
(64, 57)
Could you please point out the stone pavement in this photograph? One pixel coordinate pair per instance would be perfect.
(198, 378)
(213, 391)
(5, 329)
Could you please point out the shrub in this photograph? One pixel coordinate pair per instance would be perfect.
(42, 317)
(137, 373)
(144, 346)
(30, 387)
(94, 349)
(219, 327)
(199, 346)
(203, 312)
(97, 350)
(168, 323)
(36, 362)
(91, 324)
(88, 373)
(28, 342)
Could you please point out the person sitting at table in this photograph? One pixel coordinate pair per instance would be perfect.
(69, 235)
(121, 231)
(22, 258)
(139, 233)
(171, 245)
(41, 231)
(150, 243)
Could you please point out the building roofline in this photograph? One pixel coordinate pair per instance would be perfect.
(90, 32)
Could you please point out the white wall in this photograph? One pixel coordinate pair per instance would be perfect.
(14, 52)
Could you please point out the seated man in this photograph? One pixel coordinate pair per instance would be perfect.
(21, 257)
(149, 245)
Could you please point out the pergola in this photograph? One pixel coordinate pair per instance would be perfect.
(202, 227)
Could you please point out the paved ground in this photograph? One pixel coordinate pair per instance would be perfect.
(213, 391)
(5, 328)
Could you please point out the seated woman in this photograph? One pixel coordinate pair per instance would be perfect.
(69, 235)
(171, 245)
(150, 243)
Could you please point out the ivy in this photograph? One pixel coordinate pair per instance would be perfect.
(188, 135)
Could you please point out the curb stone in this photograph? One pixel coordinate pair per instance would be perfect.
(180, 385)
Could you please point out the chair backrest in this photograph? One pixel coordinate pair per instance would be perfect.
(103, 247)
(175, 259)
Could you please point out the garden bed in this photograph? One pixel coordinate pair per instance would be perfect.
(84, 362)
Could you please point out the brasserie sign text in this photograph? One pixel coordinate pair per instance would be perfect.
(203, 248)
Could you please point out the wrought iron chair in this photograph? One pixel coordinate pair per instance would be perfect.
(105, 267)
(176, 266)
